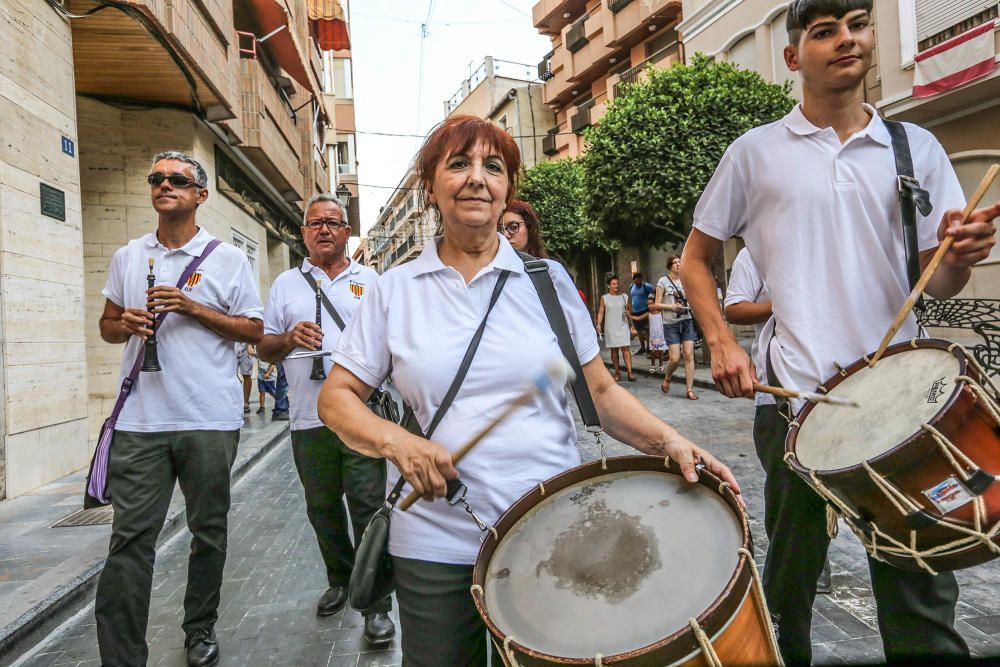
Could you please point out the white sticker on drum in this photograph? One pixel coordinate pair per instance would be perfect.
(948, 495)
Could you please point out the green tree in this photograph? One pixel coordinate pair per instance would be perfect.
(555, 190)
(648, 161)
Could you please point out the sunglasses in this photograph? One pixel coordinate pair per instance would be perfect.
(176, 180)
(509, 228)
(333, 224)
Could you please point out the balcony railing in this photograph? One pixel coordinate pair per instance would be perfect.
(581, 119)
(549, 142)
(545, 67)
(617, 5)
(576, 37)
(634, 74)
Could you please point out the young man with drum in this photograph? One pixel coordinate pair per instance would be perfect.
(814, 196)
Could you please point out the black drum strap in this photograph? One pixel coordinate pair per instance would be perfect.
(911, 198)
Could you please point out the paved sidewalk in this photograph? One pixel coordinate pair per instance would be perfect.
(274, 573)
(47, 573)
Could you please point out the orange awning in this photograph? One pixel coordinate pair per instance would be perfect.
(329, 25)
(278, 37)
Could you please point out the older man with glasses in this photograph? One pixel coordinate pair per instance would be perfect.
(179, 424)
(335, 284)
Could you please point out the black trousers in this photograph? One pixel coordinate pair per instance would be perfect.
(916, 610)
(437, 617)
(330, 470)
(142, 469)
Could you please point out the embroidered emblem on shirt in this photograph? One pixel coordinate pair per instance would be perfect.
(192, 281)
(357, 289)
(936, 391)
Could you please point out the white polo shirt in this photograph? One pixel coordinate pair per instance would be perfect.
(419, 320)
(746, 286)
(291, 301)
(197, 389)
(821, 221)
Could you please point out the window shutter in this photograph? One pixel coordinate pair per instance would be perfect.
(933, 16)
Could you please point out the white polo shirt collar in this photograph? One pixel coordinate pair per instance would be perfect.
(428, 261)
(194, 247)
(797, 123)
(352, 268)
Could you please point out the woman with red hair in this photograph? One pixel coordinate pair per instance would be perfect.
(418, 321)
(521, 227)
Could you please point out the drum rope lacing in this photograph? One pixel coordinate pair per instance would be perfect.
(956, 458)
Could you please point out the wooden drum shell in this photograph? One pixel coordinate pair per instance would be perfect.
(917, 464)
(733, 622)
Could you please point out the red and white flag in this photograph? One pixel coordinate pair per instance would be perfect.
(957, 61)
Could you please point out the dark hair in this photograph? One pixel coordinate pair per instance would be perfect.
(612, 277)
(461, 133)
(637, 275)
(671, 259)
(803, 12)
(535, 244)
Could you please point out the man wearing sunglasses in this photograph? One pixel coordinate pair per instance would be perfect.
(179, 424)
(328, 469)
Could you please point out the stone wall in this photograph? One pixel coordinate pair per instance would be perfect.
(116, 151)
(43, 389)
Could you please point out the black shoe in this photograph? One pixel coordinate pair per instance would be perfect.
(202, 649)
(379, 628)
(332, 601)
(260, 411)
(279, 416)
(824, 585)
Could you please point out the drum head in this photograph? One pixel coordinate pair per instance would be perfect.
(903, 391)
(612, 564)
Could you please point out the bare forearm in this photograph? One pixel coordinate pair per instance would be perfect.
(238, 329)
(947, 281)
(275, 347)
(702, 297)
(113, 331)
(346, 415)
(748, 312)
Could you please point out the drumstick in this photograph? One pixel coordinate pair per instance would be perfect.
(932, 266)
(804, 395)
(557, 372)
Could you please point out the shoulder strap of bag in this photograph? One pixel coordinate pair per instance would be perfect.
(911, 198)
(678, 294)
(129, 380)
(538, 271)
(338, 320)
(463, 370)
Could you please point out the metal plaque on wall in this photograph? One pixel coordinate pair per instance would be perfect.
(53, 202)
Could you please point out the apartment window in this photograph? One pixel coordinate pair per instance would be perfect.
(940, 20)
(502, 122)
(667, 39)
(345, 155)
(337, 76)
(250, 249)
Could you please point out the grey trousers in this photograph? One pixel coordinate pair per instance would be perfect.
(437, 618)
(142, 469)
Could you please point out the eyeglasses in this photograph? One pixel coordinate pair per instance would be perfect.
(333, 224)
(509, 228)
(176, 180)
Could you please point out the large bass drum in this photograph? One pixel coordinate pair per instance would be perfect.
(622, 562)
(912, 471)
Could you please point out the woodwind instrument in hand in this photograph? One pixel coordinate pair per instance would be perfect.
(151, 360)
(317, 370)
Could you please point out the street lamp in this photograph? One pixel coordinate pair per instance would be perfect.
(344, 195)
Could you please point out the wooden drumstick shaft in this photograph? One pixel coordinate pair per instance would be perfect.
(933, 265)
(460, 453)
(805, 395)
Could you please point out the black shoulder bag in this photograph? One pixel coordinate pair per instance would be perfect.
(371, 578)
(380, 402)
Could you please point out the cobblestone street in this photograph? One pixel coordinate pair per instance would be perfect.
(273, 577)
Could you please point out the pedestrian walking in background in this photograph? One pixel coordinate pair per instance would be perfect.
(280, 411)
(639, 292)
(657, 343)
(244, 368)
(678, 326)
(804, 193)
(418, 321)
(328, 469)
(181, 424)
(521, 226)
(267, 381)
(614, 317)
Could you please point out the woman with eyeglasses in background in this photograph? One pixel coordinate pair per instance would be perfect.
(521, 227)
